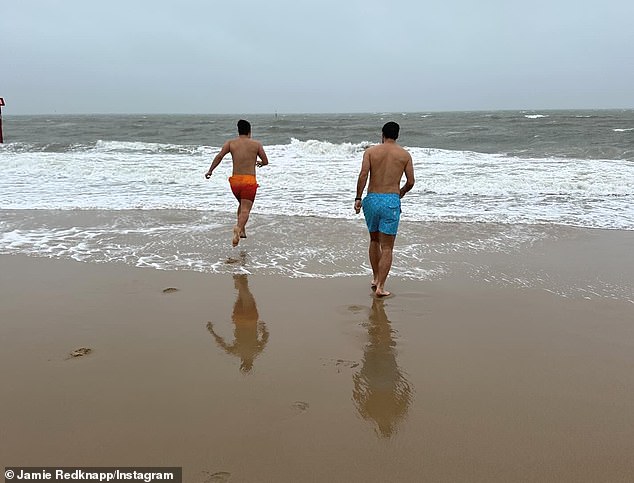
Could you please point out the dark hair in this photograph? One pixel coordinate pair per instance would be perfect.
(390, 130)
(244, 127)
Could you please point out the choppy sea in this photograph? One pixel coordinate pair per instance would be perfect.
(131, 189)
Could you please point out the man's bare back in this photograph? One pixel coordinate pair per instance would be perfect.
(387, 163)
(244, 153)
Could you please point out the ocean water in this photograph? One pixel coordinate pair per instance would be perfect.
(131, 188)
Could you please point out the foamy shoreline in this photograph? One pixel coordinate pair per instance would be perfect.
(530, 256)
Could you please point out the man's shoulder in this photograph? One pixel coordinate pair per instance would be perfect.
(374, 148)
(387, 150)
(401, 150)
(243, 142)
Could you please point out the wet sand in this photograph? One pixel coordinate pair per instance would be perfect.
(264, 378)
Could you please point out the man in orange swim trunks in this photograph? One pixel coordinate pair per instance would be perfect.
(245, 153)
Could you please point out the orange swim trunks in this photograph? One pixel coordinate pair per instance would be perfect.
(244, 186)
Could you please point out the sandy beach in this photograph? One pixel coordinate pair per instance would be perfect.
(267, 378)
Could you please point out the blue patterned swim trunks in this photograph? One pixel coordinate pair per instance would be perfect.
(382, 212)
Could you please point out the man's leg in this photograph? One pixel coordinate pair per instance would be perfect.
(386, 243)
(243, 234)
(243, 217)
(374, 253)
(235, 240)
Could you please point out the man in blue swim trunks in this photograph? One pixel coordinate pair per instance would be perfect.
(385, 164)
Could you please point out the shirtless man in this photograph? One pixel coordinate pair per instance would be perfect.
(244, 153)
(385, 163)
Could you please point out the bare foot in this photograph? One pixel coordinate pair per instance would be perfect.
(379, 292)
(236, 236)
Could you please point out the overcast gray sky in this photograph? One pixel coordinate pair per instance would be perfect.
(256, 56)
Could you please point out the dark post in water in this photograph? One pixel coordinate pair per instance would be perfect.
(1, 104)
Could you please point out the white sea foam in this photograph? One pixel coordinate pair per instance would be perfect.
(534, 116)
(306, 247)
(198, 240)
(318, 178)
(623, 130)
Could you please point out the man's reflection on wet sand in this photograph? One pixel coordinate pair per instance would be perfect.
(250, 334)
(381, 392)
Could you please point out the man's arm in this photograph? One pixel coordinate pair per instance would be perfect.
(226, 147)
(362, 181)
(219, 340)
(409, 177)
(262, 155)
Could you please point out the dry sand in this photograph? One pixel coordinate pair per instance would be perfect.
(275, 379)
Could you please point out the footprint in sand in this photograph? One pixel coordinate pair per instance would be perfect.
(347, 309)
(300, 406)
(355, 309)
(82, 351)
(340, 363)
(170, 290)
(219, 476)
